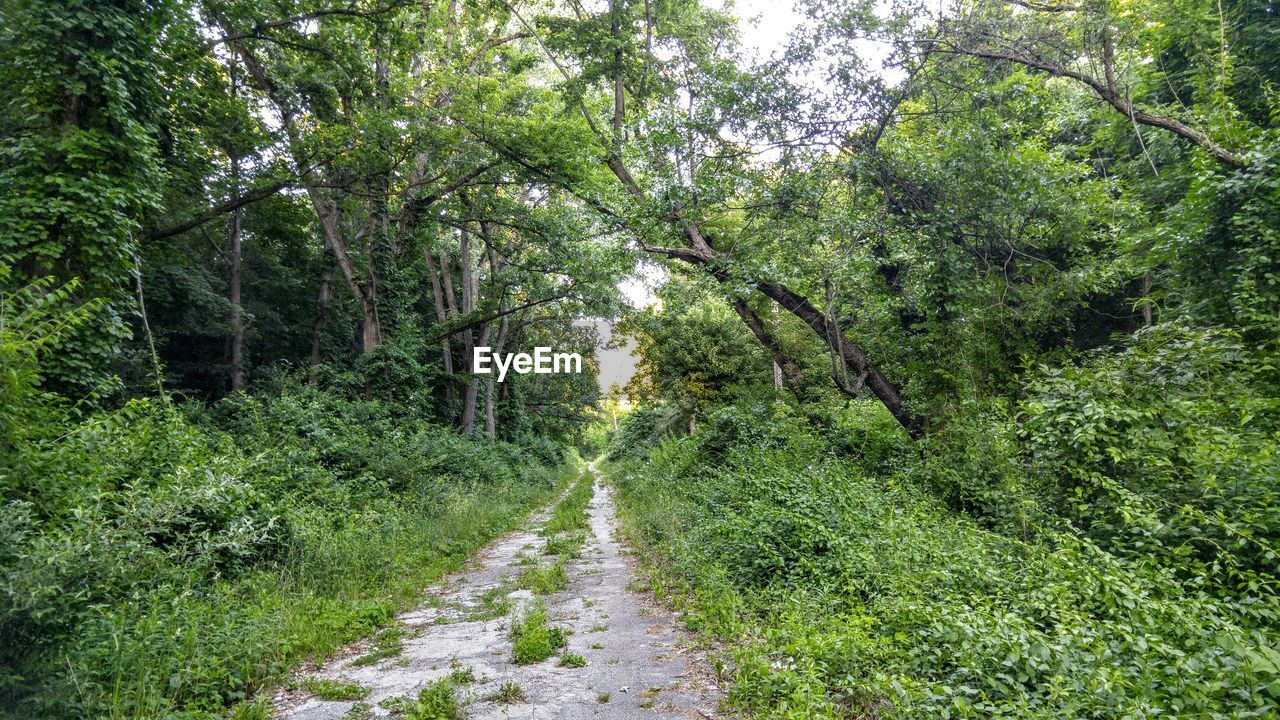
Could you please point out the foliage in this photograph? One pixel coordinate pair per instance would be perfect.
(544, 579)
(246, 250)
(437, 701)
(533, 639)
(570, 514)
(852, 592)
(570, 660)
(1167, 452)
(161, 558)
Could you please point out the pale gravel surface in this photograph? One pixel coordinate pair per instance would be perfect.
(646, 664)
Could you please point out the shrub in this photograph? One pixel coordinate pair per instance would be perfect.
(533, 639)
(165, 559)
(852, 594)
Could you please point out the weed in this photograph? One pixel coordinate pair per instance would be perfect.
(571, 513)
(494, 603)
(327, 689)
(533, 639)
(602, 698)
(509, 693)
(259, 709)
(437, 701)
(388, 643)
(545, 580)
(463, 675)
(567, 545)
(359, 711)
(571, 660)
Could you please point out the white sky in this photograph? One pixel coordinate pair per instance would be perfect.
(764, 25)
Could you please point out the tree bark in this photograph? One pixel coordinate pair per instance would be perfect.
(437, 294)
(467, 300)
(1108, 91)
(233, 281)
(700, 253)
(781, 363)
(490, 422)
(322, 311)
(237, 317)
(852, 355)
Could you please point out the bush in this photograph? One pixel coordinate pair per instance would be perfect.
(533, 639)
(848, 593)
(167, 560)
(1167, 451)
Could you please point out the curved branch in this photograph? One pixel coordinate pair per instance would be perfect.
(1109, 94)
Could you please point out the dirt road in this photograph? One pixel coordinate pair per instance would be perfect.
(638, 664)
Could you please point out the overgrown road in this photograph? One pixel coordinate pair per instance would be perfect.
(624, 658)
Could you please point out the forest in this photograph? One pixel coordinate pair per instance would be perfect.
(957, 389)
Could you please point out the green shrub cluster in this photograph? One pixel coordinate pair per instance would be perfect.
(533, 638)
(852, 586)
(166, 560)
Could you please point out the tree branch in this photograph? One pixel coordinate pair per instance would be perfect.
(1108, 93)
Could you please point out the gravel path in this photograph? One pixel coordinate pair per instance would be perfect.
(639, 665)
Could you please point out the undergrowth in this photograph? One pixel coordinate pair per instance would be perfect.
(166, 560)
(844, 586)
(533, 638)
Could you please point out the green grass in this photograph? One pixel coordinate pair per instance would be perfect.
(571, 513)
(845, 593)
(510, 693)
(216, 551)
(359, 711)
(327, 689)
(570, 660)
(545, 579)
(437, 701)
(566, 545)
(533, 638)
(494, 602)
(462, 675)
(387, 643)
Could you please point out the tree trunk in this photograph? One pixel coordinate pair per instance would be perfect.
(850, 353)
(490, 423)
(437, 294)
(322, 311)
(1147, 317)
(467, 303)
(236, 340)
(473, 389)
(781, 363)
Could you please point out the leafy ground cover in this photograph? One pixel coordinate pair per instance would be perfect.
(168, 560)
(845, 585)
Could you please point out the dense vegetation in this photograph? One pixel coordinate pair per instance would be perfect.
(961, 398)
